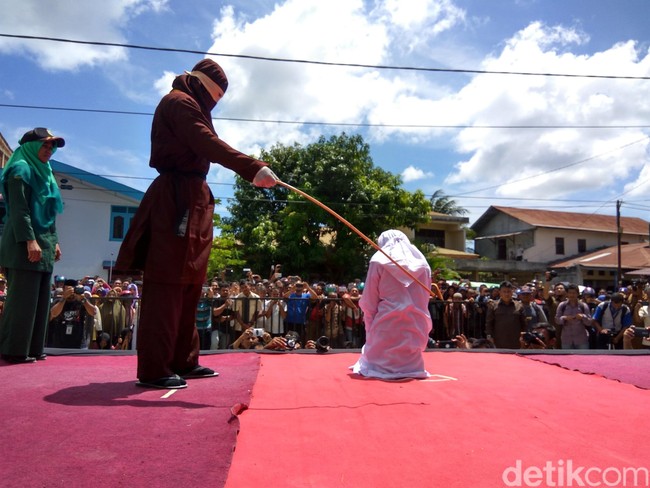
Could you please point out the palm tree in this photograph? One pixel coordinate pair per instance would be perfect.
(441, 203)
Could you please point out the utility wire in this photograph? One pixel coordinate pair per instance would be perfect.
(321, 63)
(336, 124)
(559, 168)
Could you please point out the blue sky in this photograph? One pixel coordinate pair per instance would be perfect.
(573, 169)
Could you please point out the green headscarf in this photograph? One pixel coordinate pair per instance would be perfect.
(46, 199)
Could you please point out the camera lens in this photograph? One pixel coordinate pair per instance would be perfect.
(322, 343)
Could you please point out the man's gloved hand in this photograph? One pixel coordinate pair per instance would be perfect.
(265, 178)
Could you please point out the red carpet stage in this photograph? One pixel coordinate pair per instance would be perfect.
(483, 419)
(634, 369)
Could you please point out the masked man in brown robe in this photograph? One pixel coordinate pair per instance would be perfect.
(170, 236)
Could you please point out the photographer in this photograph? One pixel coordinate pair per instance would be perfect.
(275, 312)
(553, 298)
(69, 318)
(543, 336)
(223, 316)
(290, 342)
(276, 273)
(611, 318)
(333, 319)
(250, 339)
(638, 335)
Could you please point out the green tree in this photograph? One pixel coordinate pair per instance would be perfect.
(225, 253)
(442, 203)
(279, 226)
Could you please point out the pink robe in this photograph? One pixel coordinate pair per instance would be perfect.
(397, 319)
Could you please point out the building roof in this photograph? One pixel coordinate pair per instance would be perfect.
(454, 254)
(95, 180)
(440, 217)
(566, 220)
(633, 256)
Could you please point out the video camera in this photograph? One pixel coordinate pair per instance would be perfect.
(641, 332)
(531, 337)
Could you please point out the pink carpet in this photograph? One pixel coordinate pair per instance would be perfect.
(79, 421)
(631, 369)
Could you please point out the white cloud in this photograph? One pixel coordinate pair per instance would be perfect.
(164, 84)
(413, 174)
(100, 21)
(427, 18)
(499, 156)
(336, 31)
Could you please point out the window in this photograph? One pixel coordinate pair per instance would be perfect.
(120, 221)
(559, 245)
(582, 245)
(431, 236)
(502, 249)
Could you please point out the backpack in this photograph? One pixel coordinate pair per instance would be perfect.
(583, 307)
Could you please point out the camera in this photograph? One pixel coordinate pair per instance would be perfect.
(322, 344)
(552, 273)
(291, 343)
(258, 332)
(640, 332)
(79, 290)
(531, 337)
(446, 344)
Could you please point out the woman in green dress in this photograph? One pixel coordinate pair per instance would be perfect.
(29, 245)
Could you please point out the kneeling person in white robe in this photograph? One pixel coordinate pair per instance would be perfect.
(395, 310)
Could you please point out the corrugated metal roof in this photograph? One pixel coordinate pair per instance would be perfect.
(571, 220)
(633, 256)
(99, 181)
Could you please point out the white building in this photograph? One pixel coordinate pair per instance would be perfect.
(97, 213)
(546, 236)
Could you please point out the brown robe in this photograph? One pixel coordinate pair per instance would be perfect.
(170, 235)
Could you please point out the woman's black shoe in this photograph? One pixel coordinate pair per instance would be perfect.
(17, 359)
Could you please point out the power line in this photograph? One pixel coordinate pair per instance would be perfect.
(335, 124)
(321, 63)
(559, 168)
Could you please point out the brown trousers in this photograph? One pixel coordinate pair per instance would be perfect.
(168, 342)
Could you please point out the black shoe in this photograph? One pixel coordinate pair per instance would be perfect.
(17, 359)
(199, 372)
(167, 382)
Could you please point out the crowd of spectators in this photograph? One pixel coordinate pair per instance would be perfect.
(289, 313)
(546, 314)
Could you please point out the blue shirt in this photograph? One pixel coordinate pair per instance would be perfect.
(297, 308)
(623, 312)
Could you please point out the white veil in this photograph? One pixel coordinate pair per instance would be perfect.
(399, 248)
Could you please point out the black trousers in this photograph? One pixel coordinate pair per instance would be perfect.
(23, 326)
